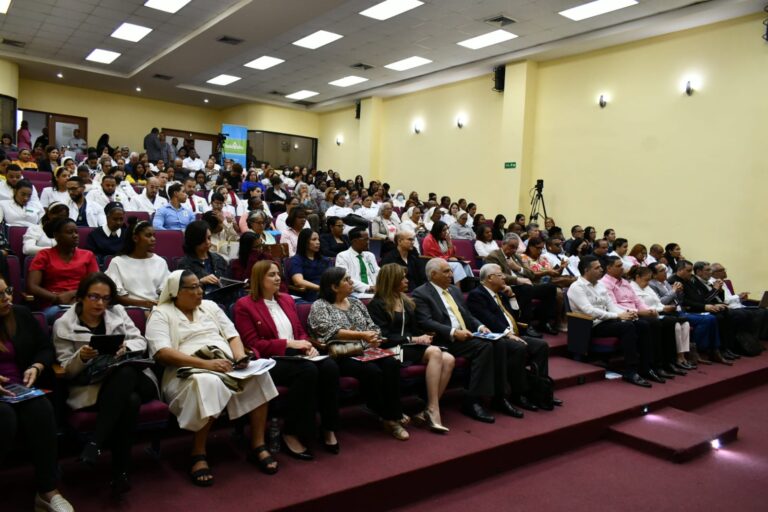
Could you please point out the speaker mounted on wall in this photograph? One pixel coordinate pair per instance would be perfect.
(498, 78)
(357, 109)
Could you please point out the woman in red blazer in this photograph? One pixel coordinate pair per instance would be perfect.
(269, 325)
(437, 244)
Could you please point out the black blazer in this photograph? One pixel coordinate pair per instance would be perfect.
(102, 246)
(431, 315)
(415, 267)
(330, 248)
(29, 342)
(484, 307)
(695, 295)
(391, 327)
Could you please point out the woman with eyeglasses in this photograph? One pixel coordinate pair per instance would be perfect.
(25, 356)
(186, 331)
(118, 397)
(334, 241)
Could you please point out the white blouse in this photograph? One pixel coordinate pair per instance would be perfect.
(284, 327)
(648, 296)
(138, 278)
(483, 249)
(15, 215)
(50, 195)
(35, 240)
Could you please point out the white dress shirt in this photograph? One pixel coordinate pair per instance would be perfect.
(50, 195)
(17, 215)
(626, 263)
(141, 203)
(593, 300)
(733, 301)
(193, 164)
(6, 192)
(649, 297)
(282, 323)
(35, 240)
(483, 249)
(349, 261)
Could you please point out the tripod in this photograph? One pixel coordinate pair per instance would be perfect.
(537, 200)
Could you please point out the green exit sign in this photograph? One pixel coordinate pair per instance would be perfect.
(510, 165)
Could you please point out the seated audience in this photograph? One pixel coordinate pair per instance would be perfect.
(78, 206)
(734, 300)
(394, 312)
(672, 256)
(208, 266)
(25, 354)
(498, 227)
(118, 396)
(20, 210)
(54, 274)
(149, 200)
(412, 221)
(276, 196)
(655, 254)
(306, 266)
(339, 208)
(57, 192)
(459, 230)
(25, 160)
(173, 216)
(137, 271)
(638, 255)
(359, 263)
(295, 222)
(269, 325)
(35, 239)
(224, 239)
(406, 256)
(587, 296)
(338, 316)
(620, 249)
(252, 249)
(385, 225)
(600, 250)
(485, 244)
(579, 248)
(258, 222)
(109, 239)
(334, 241)
(186, 331)
(194, 203)
(490, 304)
(437, 244)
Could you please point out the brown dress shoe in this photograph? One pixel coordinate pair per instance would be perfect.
(717, 357)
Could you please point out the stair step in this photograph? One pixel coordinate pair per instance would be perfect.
(566, 372)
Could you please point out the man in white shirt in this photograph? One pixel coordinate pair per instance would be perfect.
(99, 197)
(12, 176)
(589, 297)
(359, 263)
(193, 162)
(733, 300)
(149, 200)
(554, 253)
(77, 143)
(194, 203)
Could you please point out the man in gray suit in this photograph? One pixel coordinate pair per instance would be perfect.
(152, 145)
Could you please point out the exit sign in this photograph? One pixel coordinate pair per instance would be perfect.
(510, 165)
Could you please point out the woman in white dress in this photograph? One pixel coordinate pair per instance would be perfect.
(138, 272)
(180, 325)
(58, 190)
(35, 239)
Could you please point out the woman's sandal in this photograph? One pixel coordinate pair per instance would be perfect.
(264, 464)
(196, 476)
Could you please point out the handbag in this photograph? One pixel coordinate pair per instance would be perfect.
(541, 388)
(104, 364)
(337, 348)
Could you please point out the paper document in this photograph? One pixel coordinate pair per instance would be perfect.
(257, 367)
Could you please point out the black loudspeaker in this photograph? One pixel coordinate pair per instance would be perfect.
(498, 78)
(357, 109)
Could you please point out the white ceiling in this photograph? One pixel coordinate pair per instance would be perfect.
(60, 33)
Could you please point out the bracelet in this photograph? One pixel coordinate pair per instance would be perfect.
(36, 368)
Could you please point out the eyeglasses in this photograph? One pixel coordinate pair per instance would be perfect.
(347, 279)
(95, 297)
(8, 291)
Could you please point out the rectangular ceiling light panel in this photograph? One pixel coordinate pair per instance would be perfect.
(409, 63)
(102, 56)
(491, 38)
(131, 32)
(264, 62)
(223, 80)
(348, 81)
(171, 6)
(301, 95)
(318, 39)
(390, 9)
(596, 8)
(4, 6)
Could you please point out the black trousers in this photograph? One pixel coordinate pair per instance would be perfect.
(634, 340)
(380, 384)
(120, 398)
(509, 361)
(662, 336)
(480, 355)
(312, 387)
(33, 421)
(546, 311)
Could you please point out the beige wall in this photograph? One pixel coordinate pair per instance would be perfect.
(257, 116)
(344, 157)
(9, 78)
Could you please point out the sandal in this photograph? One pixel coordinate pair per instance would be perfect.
(196, 476)
(264, 464)
(396, 429)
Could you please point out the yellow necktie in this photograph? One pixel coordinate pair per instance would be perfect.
(511, 319)
(454, 308)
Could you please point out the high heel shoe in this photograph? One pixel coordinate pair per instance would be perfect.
(435, 426)
(305, 455)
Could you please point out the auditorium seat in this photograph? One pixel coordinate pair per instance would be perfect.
(16, 240)
(82, 233)
(169, 243)
(465, 249)
(15, 278)
(138, 215)
(374, 246)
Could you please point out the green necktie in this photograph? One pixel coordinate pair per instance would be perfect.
(363, 271)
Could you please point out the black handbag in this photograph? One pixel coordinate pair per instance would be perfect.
(541, 388)
(104, 364)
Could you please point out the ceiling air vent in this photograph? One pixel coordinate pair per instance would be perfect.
(500, 21)
(162, 77)
(361, 66)
(229, 40)
(14, 43)
(304, 102)
(277, 93)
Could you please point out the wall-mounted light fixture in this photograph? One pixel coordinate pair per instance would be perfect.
(339, 140)
(461, 120)
(602, 101)
(418, 126)
(296, 146)
(688, 88)
(690, 83)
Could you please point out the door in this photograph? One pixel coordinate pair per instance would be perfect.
(61, 128)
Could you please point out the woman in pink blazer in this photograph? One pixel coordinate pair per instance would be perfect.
(269, 325)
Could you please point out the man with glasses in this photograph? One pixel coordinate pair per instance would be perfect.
(576, 232)
(405, 255)
(77, 203)
(490, 303)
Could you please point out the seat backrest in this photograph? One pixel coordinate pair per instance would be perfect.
(465, 249)
(139, 318)
(16, 240)
(37, 177)
(138, 215)
(375, 247)
(302, 310)
(15, 278)
(169, 243)
(40, 317)
(83, 232)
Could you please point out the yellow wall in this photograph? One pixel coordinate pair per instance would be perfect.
(345, 157)
(9, 78)
(655, 164)
(257, 116)
(127, 119)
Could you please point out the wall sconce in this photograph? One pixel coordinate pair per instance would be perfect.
(603, 101)
(295, 146)
(461, 121)
(689, 88)
(339, 140)
(418, 126)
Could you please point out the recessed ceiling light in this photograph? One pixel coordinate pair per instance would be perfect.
(390, 8)
(318, 39)
(223, 80)
(205, 100)
(131, 32)
(300, 95)
(102, 56)
(348, 80)
(170, 6)
(4, 5)
(595, 8)
(59, 75)
(491, 38)
(409, 63)
(138, 89)
(264, 62)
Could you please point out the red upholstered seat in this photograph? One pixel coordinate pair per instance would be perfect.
(16, 240)
(461, 362)
(82, 233)
(169, 243)
(348, 384)
(152, 415)
(138, 215)
(604, 344)
(413, 371)
(139, 318)
(465, 249)
(14, 275)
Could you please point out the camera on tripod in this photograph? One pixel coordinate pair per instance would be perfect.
(537, 201)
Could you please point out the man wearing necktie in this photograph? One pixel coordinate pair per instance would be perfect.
(359, 262)
(490, 304)
(440, 310)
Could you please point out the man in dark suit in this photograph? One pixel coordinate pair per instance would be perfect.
(490, 304)
(519, 278)
(440, 309)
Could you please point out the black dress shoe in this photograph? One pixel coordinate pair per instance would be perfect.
(332, 448)
(685, 365)
(477, 412)
(525, 404)
(550, 330)
(557, 402)
(503, 405)
(655, 377)
(664, 374)
(530, 331)
(717, 357)
(120, 484)
(674, 369)
(731, 355)
(637, 380)
(305, 455)
(548, 406)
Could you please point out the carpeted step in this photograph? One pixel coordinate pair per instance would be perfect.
(558, 344)
(567, 372)
(673, 434)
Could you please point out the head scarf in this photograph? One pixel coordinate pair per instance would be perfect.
(171, 288)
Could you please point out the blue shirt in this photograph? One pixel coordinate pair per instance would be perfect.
(168, 217)
(311, 270)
